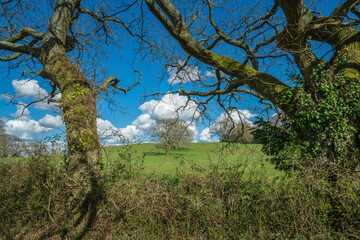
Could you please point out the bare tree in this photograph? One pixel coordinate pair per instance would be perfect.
(50, 49)
(9, 144)
(239, 45)
(229, 131)
(171, 134)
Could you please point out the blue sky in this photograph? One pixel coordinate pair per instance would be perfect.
(136, 114)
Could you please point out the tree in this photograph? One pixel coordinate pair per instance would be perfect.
(50, 49)
(322, 102)
(229, 131)
(9, 144)
(171, 134)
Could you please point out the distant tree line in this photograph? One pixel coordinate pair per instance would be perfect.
(9, 144)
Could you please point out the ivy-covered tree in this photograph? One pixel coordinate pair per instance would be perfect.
(240, 41)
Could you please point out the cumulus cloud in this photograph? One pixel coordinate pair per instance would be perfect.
(30, 88)
(237, 116)
(186, 74)
(50, 121)
(130, 131)
(105, 128)
(7, 97)
(205, 135)
(45, 105)
(21, 113)
(193, 128)
(144, 121)
(171, 106)
(25, 129)
(111, 135)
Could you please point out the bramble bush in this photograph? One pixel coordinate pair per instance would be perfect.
(220, 203)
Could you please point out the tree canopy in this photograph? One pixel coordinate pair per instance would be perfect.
(319, 94)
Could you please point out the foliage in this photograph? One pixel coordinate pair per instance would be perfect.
(326, 121)
(220, 203)
(274, 140)
(323, 123)
(127, 161)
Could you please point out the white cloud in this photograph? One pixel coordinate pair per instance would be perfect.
(144, 121)
(24, 128)
(56, 147)
(44, 105)
(110, 135)
(21, 113)
(7, 97)
(50, 121)
(28, 88)
(209, 74)
(130, 131)
(237, 116)
(205, 135)
(193, 128)
(105, 128)
(171, 106)
(187, 73)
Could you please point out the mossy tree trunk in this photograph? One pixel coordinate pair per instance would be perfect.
(51, 48)
(79, 111)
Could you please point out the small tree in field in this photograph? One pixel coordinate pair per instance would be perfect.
(229, 131)
(171, 134)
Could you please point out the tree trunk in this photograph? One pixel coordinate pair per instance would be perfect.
(78, 107)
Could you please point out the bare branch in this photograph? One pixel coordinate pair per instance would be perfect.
(264, 20)
(233, 42)
(14, 47)
(342, 11)
(193, 19)
(11, 57)
(265, 84)
(24, 32)
(355, 11)
(103, 19)
(112, 81)
(28, 71)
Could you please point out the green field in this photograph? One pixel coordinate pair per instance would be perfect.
(199, 157)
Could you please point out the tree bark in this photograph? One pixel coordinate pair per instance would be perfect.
(78, 107)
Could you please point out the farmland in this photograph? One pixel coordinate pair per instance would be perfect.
(197, 157)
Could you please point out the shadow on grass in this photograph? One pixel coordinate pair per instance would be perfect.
(163, 154)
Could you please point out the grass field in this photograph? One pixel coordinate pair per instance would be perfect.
(198, 157)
